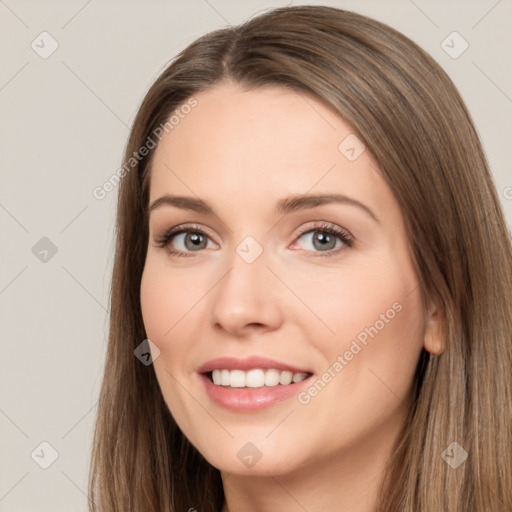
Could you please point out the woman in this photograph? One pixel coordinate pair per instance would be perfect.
(374, 376)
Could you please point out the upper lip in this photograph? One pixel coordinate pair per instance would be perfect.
(249, 363)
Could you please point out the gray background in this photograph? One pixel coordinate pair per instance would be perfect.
(63, 127)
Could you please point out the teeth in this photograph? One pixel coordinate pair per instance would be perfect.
(286, 378)
(256, 378)
(272, 377)
(225, 379)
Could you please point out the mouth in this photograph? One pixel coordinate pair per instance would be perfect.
(251, 384)
(253, 390)
(255, 378)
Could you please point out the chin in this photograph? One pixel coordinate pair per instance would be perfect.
(252, 459)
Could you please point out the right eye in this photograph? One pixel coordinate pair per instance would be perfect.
(191, 238)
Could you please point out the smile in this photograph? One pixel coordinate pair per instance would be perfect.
(253, 383)
(256, 378)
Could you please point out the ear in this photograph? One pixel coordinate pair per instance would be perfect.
(434, 339)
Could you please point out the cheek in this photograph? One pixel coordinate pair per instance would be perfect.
(389, 342)
(369, 364)
(164, 316)
(155, 302)
(351, 299)
(375, 312)
(165, 300)
(163, 305)
(170, 303)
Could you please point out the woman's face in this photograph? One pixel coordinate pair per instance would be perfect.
(264, 279)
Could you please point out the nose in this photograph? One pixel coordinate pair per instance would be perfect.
(247, 298)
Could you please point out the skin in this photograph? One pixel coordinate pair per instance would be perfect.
(242, 151)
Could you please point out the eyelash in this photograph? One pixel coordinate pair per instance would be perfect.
(331, 229)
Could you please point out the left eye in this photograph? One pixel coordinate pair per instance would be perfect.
(325, 239)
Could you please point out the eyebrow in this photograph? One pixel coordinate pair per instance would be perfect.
(282, 207)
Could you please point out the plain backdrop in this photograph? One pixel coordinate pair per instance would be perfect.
(65, 118)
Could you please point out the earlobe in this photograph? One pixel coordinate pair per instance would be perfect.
(434, 338)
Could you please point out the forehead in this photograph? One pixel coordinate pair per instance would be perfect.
(262, 143)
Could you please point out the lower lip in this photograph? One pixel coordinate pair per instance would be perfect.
(250, 399)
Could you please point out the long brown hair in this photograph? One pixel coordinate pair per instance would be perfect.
(408, 113)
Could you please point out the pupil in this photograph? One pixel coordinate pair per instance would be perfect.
(323, 238)
(195, 238)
